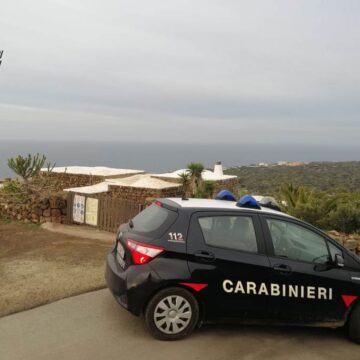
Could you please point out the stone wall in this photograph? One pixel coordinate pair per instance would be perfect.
(351, 242)
(229, 184)
(60, 181)
(139, 195)
(38, 211)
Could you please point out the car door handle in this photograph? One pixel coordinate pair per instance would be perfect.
(283, 269)
(204, 255)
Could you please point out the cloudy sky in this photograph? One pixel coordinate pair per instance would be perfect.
(172, 71)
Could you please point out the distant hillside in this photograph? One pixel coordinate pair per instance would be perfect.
(327, 176)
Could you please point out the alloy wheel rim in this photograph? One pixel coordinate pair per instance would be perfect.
(172, 314)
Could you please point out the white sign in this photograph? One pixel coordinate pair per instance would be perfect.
(91, 217)
(79, 209)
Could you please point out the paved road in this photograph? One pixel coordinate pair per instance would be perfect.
(93, 326)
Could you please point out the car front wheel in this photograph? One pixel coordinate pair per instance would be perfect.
(172, 314)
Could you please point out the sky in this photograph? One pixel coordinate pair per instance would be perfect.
(268, 71)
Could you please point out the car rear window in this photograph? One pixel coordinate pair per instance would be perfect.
(153, 221)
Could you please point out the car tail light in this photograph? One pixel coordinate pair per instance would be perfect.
(143, 253)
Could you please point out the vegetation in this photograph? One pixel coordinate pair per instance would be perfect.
(194, 185)
(331, 177)
(27, 167)
(195, 170)
(185, 183)
(14, 189)
(206, 190)
(31, 183)
(326, 194)
(328, 211)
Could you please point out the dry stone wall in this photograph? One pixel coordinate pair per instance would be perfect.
(60, 181)
(36, 210)
(139, 195)
(229, 184)
(351, 242)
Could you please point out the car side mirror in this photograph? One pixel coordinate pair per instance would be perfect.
(339, 261)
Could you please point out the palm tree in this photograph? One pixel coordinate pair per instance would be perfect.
(185, 182)
(292, 195)
(195, 170)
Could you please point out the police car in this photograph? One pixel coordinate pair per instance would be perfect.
(182, 262)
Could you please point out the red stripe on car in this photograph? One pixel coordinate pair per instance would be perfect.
(194, 286)
(348, 299)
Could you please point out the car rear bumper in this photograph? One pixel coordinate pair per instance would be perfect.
(116, 280)
(133, 287)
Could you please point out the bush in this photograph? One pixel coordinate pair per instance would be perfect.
(310, 213)
(28, 166)
(345, 219)
(339, 212)
(14, 189)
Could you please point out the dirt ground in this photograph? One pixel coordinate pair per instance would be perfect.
(38, 266)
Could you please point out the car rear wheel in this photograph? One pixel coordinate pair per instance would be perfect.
(172, 314)
(354, 325)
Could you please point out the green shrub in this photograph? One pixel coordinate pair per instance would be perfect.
(14, 190)
(28, 166)
(330, 212)
(345, 218)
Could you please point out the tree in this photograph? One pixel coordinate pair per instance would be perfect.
(185, 182)
(208, 188)
(195, 170)
(31, 185)
(325, 210)
(302, 202)
(292, 196)
(27, 167)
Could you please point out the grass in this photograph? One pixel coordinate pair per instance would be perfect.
(4, 220)
(38, 267)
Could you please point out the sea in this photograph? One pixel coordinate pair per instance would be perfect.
(163, 157)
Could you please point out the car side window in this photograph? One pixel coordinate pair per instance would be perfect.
(296, 242)
(334, 250)
(229, 232)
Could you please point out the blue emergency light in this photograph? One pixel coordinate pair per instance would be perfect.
(225, 195)
(247, 201)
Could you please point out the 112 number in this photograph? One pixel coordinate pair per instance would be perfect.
(176, 236)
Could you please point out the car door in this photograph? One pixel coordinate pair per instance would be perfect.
(226, 252)
(309, 288)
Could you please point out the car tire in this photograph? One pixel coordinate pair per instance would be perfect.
(354, 325)
(172, 314)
